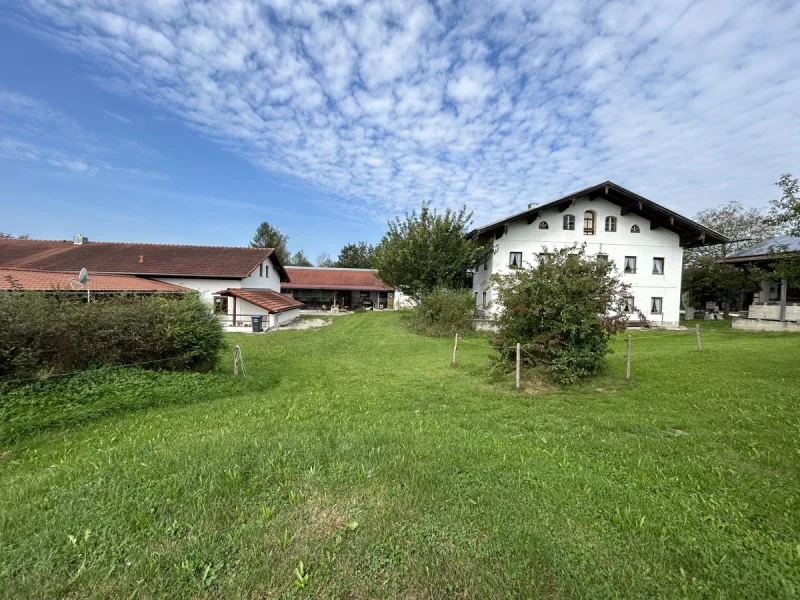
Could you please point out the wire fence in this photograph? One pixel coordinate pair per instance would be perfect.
(46, 376)
(696, 332)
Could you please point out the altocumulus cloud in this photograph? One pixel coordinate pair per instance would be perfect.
(386, 104)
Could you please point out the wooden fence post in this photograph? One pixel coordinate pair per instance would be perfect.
(697, 331)
(236, 359)
(628, 360)
(455, 347)
(517, 365)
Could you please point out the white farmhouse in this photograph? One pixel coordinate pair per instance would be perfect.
(238, 282)
(643, 239)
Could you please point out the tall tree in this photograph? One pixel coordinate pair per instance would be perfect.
(745, 226)
(785, 212)
(708, 281)
(325, 260)
(356, 256)
(299, 259)
(427, 250)
(268, 236)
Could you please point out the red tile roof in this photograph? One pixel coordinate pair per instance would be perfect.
(333, 279)
(20, 279)
(135, 259)
(267, 299)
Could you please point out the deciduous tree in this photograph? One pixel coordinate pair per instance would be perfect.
(325, 260)
(562, 310)
(427, 250)
(356, 256)
(785, 211)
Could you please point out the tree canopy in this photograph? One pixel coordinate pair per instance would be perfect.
(299, 259)
(562, 310)
(356, 256)
(427, 250)
(785, 211)
(745, 226)
(325, 260)
(269, 236)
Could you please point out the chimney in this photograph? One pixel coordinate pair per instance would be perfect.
(79, 239)
(141, 258)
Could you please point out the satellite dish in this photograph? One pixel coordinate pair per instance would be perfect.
(83, 276)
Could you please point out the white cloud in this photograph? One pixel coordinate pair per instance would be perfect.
(387, 103)
(32, 130)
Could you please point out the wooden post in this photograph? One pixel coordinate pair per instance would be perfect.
(236, 359)
(628, 360)
(517, 365)
(455, 347)
(784, 285)
(697, 332)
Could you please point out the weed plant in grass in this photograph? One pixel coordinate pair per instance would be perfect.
(356, 462)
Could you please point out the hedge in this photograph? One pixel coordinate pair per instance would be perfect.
(43, 334)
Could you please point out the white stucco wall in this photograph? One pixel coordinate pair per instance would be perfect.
(208, 287)
(646, 245)
(245, 310)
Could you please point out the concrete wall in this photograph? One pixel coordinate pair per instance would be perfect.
(758, 325)
(646, 245)
(773, 312)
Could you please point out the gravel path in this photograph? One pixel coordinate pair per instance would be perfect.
(305, 324)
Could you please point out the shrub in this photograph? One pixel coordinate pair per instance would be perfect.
(444, 312)
(41, 334)
(562, 311)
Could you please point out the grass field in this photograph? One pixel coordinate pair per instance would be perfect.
(358, 450)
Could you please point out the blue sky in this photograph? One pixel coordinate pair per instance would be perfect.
(191, 122)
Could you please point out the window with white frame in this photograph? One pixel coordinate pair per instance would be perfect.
(266, 270)
(628, 304)
(630, 265)
(484, 299)
(476, 298)
(611, 224)
(485, 264)
(515, 259)
(261, 270)
(544, 225)
(569, 222)
(602, 258)
(655, 305)
(589, 219)
(658, 266)
(635, 229)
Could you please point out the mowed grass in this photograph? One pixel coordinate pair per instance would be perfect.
(358, 450)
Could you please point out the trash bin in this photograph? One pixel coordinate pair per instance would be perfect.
(257, 320)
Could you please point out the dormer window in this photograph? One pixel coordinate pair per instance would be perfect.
(569, 223)
(588, 222)
(544, 225)
(635, 229)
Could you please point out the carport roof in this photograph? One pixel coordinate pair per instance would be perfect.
(269, 300)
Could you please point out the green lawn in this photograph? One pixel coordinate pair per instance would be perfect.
(683, 481)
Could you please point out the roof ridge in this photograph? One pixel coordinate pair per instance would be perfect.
(95, 243)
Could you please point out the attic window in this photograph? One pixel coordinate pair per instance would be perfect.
(569, 223)
(261, 270)
(611, 224)
(635, 229)
(544, 225)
